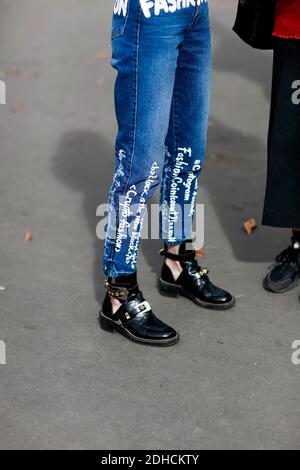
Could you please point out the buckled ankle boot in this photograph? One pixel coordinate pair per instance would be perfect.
(134, 318)
(193, 282)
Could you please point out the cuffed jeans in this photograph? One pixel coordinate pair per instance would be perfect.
(162, 53)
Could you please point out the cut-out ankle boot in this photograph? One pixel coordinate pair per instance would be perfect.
(193, 282)
(134, 318)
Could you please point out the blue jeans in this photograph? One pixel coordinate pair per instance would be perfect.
(162, 53)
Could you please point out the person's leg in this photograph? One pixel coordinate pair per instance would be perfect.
(145, 46)
(282, 199)
(186, 138)
(145, 57)
(185, 152)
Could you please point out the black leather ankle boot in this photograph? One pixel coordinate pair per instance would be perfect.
(193, 282)
(134, 318)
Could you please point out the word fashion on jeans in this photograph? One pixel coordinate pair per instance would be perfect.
(150, 7)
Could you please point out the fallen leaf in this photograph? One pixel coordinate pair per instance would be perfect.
(104, 55)
(27, 236)
(249, 226)
(200, 253)
(30, 75)
(17, 109)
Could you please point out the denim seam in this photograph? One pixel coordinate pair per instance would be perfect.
(136, 103)
(110, 260)
(174, 138)
(168, 161)
(196, 15)
(174, 132)
(175, 126)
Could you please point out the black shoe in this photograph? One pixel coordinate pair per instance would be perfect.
(193, 282)
(134, 319)
(284, 274)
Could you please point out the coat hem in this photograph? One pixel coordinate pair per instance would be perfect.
(285, 36)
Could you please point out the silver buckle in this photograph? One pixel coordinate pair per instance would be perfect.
(144, 307)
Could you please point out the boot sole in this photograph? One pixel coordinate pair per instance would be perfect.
(109, 325)
(172, 290)
(280, 291)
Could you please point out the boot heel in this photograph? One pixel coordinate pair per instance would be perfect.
(106, 324)
(169, 290)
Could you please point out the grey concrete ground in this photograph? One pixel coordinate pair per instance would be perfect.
(230, 383)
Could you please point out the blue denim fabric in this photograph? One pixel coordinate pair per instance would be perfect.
(162, 53)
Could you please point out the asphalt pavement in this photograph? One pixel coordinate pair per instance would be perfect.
(230, 383)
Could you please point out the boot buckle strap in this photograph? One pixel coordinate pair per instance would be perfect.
(188, 256)
(202, 272)
(124, 316)
(144, 307)
(116, 292)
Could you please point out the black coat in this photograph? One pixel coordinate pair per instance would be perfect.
(255, 21)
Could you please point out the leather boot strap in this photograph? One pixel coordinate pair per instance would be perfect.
(187, 256)
(119, 292)
(130, 310)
